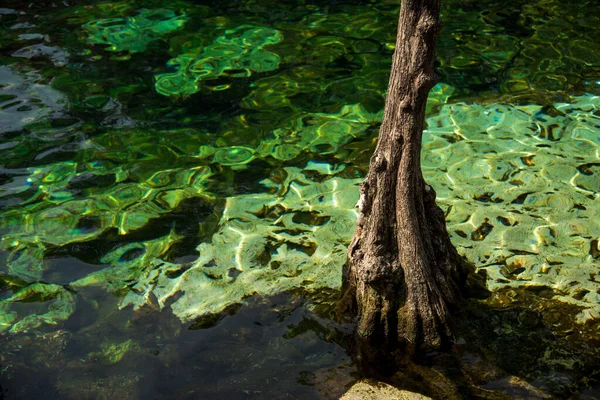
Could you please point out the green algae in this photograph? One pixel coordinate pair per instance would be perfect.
(232, 156)
(134, 34)
(32, 232)
(525, 222)
(299, 132)
(277, 91)
(33, 229)
(521, 48)
(516, 206)
(521, 212)
(112, 353)
(127, 264)
(555, 51)
(237, 53)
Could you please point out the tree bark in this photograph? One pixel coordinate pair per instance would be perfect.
(404, 276)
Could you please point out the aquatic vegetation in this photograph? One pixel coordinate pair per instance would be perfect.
(127, 263)
(522, 48)
(516, 207)
(296, 130)
(277, 91)
(62, 305)
(134, 34)
(112, 353)
(496, 168)
(352, 21)
(106, 187)
(237, 53)
(513, 209)
(556, 55)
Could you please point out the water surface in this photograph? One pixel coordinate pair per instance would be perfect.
(165, 161)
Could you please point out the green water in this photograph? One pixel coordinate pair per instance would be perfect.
(165, 161)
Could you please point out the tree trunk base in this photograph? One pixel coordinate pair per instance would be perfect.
(404, 278)
(404, 310)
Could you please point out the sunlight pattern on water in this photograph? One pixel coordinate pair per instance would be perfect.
(187, 157)
(512, 210)
(135, 33)
(295, 236)
(237, 53)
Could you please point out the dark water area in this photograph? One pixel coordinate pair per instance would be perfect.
(178, 181)
(267, 349)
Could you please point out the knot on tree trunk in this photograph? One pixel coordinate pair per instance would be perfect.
(384, 274)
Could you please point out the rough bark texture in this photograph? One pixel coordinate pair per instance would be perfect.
(404, 276)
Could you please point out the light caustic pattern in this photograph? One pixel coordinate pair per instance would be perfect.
(134, 34)
(521, 185)
(516, 207)
(237, 53)
(267, 243)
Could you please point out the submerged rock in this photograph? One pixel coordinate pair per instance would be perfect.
(369, 389)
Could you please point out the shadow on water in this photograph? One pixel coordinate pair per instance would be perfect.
(532, 344)
(519, 343)
(238, 354)
(516, 344)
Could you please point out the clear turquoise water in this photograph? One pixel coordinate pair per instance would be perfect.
(161, 161)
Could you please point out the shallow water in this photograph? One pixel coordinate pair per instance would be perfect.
(161, 161)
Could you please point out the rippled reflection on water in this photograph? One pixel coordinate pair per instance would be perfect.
(137, 136)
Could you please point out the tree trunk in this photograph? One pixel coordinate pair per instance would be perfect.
(404, 276)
